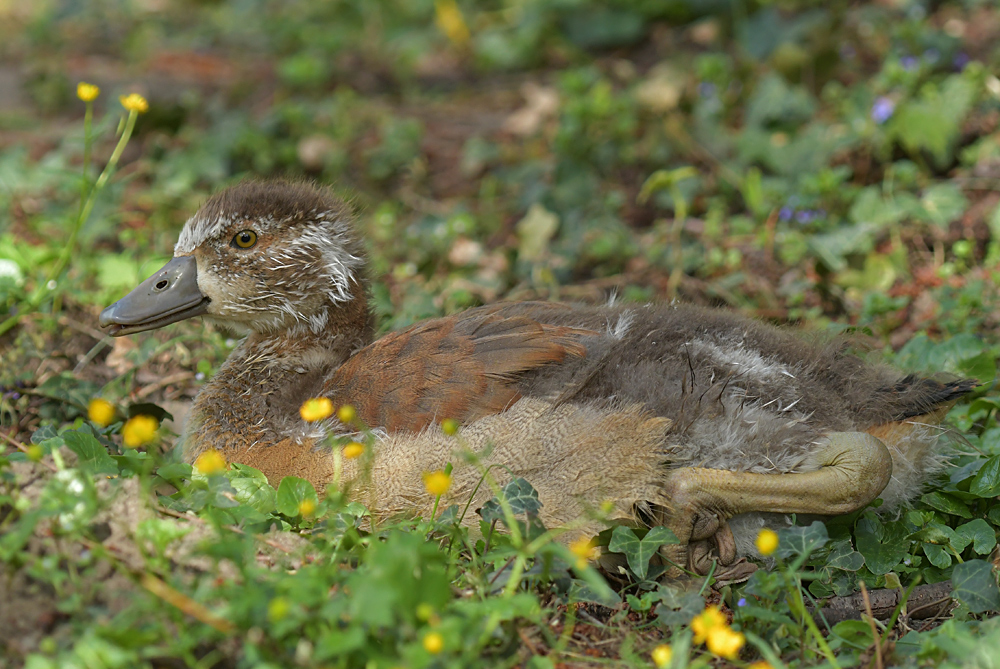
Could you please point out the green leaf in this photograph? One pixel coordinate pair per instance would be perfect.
(175, 471)
(854, 633)
(256, 492)
(979, 533)
(975, 586)
(801, 540)
(933, 122)
(943, 203)
(521, 496)
(639, 551)
(292, 492)
(882, 545)
(938, 555)
(946, 504)
(986, 482)
(872, 208)
(844, 557)
(92, 455)
(149, 409)
(678, 607)
(594, 590)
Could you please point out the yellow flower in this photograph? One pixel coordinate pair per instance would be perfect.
(210, 462)
(708, 619)
(354, 450)
(433, 643)
(139, 430)
(316, 409)
(100, 412)
(87, 93)
(306, 508)
(34, 453)
(437, 482)
(767, 541)
(449, 426)
(134, 102)
(724, 642)
(346, 414)
(760, 664)
(584, 550)
(449, 19)
(662, 655)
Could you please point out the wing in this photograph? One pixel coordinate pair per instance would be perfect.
(463, 367)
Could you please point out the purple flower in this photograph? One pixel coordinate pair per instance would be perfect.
(960, 60)
(706, 89)
(804, 216)
(882, 109)
(742, 601)
(909, 63)
(786, 213)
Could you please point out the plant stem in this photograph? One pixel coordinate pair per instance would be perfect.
(87, 205)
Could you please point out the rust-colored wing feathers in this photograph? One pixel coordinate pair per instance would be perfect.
(459, 367)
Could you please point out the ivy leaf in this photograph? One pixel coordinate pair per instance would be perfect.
(292, 491)
(678, 607)
(979, 533)
(975, 586)
(938, 555)
(946, 504)
(593, 590)
(255, 492)
(639, 551)
(92, 455)
(843, 556)
(521, 496)
(986, 482)
(882, 546)
(802, 540)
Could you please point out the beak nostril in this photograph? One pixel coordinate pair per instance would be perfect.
(160, 285)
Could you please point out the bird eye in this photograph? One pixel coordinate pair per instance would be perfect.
(245, 239)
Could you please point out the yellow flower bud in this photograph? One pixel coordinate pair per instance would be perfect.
(210, 462)
(767, 541)
(34, 453)
(584, 550)
(424, 611)
(437, 482)
(87, 93)
(662, 655)
(346, 414)
(450, 21)
(433, 643)
(134, 102)
(354, 450)
(316, 409)
(139, 430)
(306, 508)
(724, 642)
(449, 426)
(277, 609)
(760, 664)
(100, 412)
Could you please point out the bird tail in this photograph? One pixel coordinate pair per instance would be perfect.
(912, 439)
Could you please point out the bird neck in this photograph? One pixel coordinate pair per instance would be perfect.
(327, 338)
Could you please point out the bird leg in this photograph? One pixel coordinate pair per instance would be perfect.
(851, 470)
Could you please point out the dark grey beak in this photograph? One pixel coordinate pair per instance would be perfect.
(168, 296)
